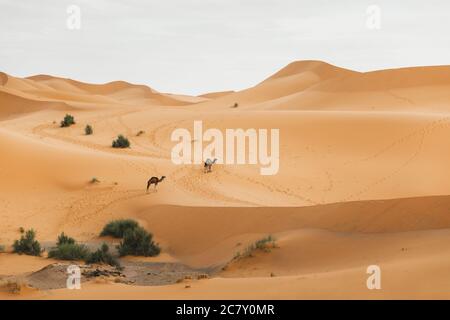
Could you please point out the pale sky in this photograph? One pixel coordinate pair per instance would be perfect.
(198, 46)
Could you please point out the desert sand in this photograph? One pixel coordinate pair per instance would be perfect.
(362, 181)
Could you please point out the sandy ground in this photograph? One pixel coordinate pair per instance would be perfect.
(362, 181)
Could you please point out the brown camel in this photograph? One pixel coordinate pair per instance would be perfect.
(155, 181)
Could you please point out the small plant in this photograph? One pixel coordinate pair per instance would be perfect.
(141, 132)
(138, 242)
(235, 105)
(94, 180)
(67, 121)
(21, 230)
(64, 239)
(2, 248)
(103, 255)
(88, 130)
(27, 244)
(117, 228)
(121, 142)
(263, 244)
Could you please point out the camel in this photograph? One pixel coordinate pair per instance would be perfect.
(155, 181)
(208, 164)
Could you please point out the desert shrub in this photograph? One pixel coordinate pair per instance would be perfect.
(69, 251)
(64, 239)
(2, 248)
(117, 228)
(138, 242)
(27, 244)
(121, 142)
(141, 132)
(235, 105)
(67, 121)
(102, 255)
(88, 130)
(94, 180)
(263, 244)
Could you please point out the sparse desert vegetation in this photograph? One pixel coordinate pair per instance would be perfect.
(88, 130)
(121, 142)
(138, 242)
(117, 228)
(68, 249)
(141, 132)
(67, 121)
(27, 244)
(94, 180)
(103, 256)
(2, 248)
(264, 244)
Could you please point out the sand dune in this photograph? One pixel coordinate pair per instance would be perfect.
(363, 158)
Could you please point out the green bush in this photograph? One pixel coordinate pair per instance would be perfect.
(2, 248)
(103, 255)
(117, 228)
(27, 244)
(69, 251)
(138, 242)
(88, 130)
(64, 239)
(121, 142)
(68, 121)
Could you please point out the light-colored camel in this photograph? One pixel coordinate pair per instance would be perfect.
(208, 164)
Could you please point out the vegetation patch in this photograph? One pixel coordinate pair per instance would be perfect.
(88, 130)
(103, 256)
(68, 249)
(138, 242)
(94, 180)
(67, 121)
(265, 244)
(27, 244)
(117, 228)
(121, 142)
